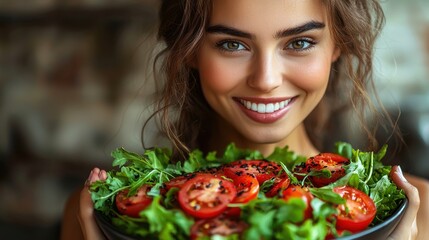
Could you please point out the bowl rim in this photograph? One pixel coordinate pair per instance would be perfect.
(102, 219)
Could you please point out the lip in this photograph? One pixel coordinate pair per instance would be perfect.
(264, 118)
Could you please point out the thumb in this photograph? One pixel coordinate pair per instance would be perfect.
(407, 226)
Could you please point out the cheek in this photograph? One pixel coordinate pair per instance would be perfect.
(314, 75)
(217, 76)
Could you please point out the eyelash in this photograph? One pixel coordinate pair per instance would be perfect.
(308, 43)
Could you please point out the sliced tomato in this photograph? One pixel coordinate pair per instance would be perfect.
(280, 184)
(133, 205)
(296, 191)
(263, 170)
(247, 189)
(332, 162)
(360, 210)
(216, 226)
(178, 181)
(216, 171)
(206, 196)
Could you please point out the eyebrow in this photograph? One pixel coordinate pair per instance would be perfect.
(312, 25)
(222, 29)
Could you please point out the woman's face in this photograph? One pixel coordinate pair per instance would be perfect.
(264, 66)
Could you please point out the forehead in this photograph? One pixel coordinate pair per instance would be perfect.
(258, 15)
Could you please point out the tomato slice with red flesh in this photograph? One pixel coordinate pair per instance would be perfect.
(216, 226)
(133, 205)
(332, 162)
(360, 210)
(206, 196)
(216, 171)
(296, 191)
(177, 182)
(263, 170)
(247, 189)
(280, 184)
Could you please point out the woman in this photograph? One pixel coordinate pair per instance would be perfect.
(262, 74)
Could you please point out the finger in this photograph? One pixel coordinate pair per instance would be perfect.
(103, 175)
(94, 175)
(404, 230)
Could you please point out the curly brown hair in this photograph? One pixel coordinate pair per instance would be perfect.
(182, 111)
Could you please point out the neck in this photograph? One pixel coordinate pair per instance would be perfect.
(297, 141)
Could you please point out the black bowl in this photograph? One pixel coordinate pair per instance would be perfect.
(378, 232)
(110, 231)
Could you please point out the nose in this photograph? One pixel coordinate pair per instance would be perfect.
(265, 73)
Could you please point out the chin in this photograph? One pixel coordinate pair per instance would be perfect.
(265, 138)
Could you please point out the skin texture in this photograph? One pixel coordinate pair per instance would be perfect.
(265, 66)
(259, 67)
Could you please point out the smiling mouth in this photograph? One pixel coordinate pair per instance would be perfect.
(265, 107)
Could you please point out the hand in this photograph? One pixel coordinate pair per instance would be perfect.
(407, 227)
(87, 222)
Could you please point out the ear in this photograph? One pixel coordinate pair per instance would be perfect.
(336, 54)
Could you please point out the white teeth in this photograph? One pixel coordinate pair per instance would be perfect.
(261, 108)
(265, 108)
(254, 107)
(269, 108)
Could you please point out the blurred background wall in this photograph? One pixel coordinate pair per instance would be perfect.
(72, 89)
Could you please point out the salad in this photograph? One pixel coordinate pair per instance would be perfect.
(244, 195)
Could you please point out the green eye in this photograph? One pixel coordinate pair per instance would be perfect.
(232, 46)
(300, 45)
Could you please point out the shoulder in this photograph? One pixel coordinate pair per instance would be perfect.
(70, 227)
(420, 183)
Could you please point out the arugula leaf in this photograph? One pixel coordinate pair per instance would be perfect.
(322, 209)
(293, 179)
(260, 215)
(172, 223)
(287, 157)
(327, 195)
(195, 161)
(387, 198)
(344, 149)
(272, 218)
(232, 153)
(309, 230)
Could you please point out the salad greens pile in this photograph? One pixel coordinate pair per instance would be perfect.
(267, 218)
